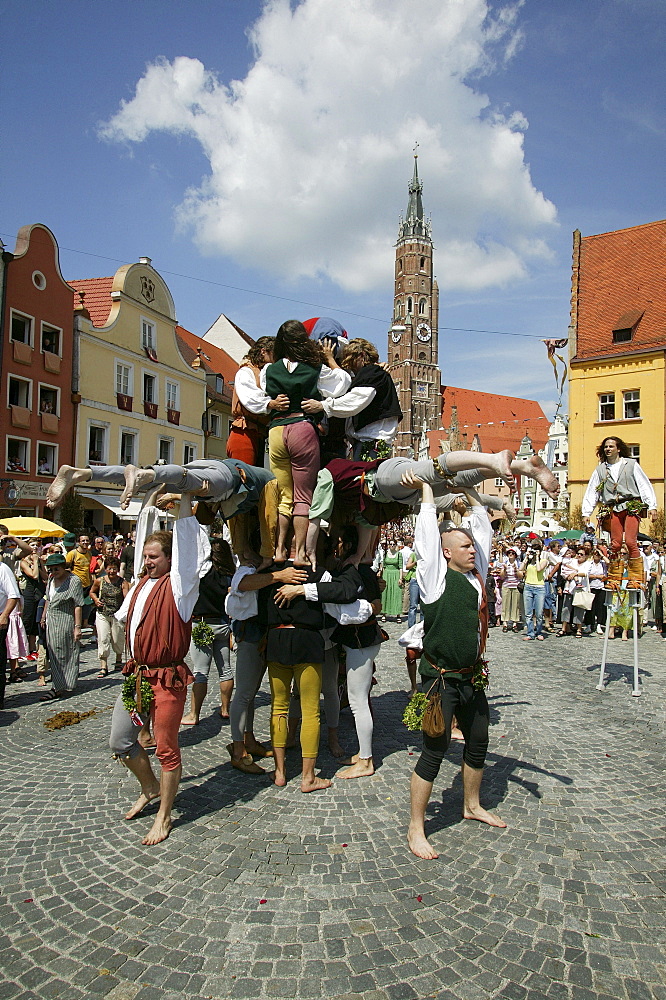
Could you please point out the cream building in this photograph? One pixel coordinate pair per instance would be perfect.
(139, 402)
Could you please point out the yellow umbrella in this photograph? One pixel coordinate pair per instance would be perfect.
(33, 527)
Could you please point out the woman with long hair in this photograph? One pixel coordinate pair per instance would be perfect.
(624, 495)
(303, 369)
(251, 408)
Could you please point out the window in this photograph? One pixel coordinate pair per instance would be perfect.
(172, 395)
(499, 482)
(127, 448)
(96, 444)
(165, 450)
(149, 388)
(18, 455)
(189, 453)
(215, 424)
(50, 339)
(632, 404)
(422, 264)
(622, 336)
(124, 379)
(635, 451)
(147, 335)
(47, 459)
(21, 328)
(528, 500)
(400, 264)
(19, 392)
(607, 406)
(49, 401)
(398, 309)
(422, 307)
(410, 305)
(544, 502)
(422, 356)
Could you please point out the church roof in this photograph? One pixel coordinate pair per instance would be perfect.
(496, 421)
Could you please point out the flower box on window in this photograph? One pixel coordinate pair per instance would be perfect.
(173, 416)
(124, 402)
(150, 409)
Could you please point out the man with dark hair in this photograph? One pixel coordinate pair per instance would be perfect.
(451, 573)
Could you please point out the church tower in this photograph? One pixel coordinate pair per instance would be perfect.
(412, 337)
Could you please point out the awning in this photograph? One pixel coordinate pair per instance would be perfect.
(112, 502)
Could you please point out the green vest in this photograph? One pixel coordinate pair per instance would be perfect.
(298, 385)
(451, 623)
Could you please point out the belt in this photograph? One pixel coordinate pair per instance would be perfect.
(306, 628)
(443, 672)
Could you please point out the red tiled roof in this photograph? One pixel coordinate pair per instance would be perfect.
(620, 273)
(499, 421)
(97, 297)
(214, 359)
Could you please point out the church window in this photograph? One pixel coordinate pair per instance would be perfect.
(422, 265)
(396, 357)
(398, 308)
(410, 305)
(422, 356)
(422, 307)
(400, 263)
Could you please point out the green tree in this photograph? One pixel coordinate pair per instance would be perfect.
(576, 520)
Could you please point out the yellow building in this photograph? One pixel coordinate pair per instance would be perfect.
(617, 340)
(139, 402)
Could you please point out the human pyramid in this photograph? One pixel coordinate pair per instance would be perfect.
(303, 593)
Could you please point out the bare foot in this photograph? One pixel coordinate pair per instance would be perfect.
(336, 750)
(134, 480)
(67, 477)
(483, 816)
(314, 784)
(502, 466)
(279, 778)
(158, 832)
(41, 681)
(189, 720)
(360, 769)
(536, 468)
(509, 510)
(142, 802)
(281, 555)
(420, 846)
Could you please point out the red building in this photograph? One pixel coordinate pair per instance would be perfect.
(38, 426)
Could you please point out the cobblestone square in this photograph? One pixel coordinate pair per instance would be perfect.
(262, 892)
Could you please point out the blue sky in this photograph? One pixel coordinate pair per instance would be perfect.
(279, 195)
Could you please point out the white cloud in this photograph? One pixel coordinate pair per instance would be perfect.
(310, 153)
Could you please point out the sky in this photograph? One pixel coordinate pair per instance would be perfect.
(260, 154)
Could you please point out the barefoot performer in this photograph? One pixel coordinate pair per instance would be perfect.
(451, 574)
(158, 612)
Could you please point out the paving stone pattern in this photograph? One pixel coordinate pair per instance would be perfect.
(268, 893)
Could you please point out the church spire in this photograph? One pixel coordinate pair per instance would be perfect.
(414, 223)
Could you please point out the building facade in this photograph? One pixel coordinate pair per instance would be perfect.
(617, 343)
(413, 335)
(38, 426)
(139, 401)
(219, 370)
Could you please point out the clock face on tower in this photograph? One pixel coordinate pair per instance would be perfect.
(395, 336)
(423, 332)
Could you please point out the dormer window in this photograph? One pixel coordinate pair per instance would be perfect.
(624, 329)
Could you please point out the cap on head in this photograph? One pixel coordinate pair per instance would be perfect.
(56, 559)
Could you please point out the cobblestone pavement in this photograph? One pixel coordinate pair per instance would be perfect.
(261, 892)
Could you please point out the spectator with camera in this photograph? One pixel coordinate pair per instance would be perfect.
(532, 570)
